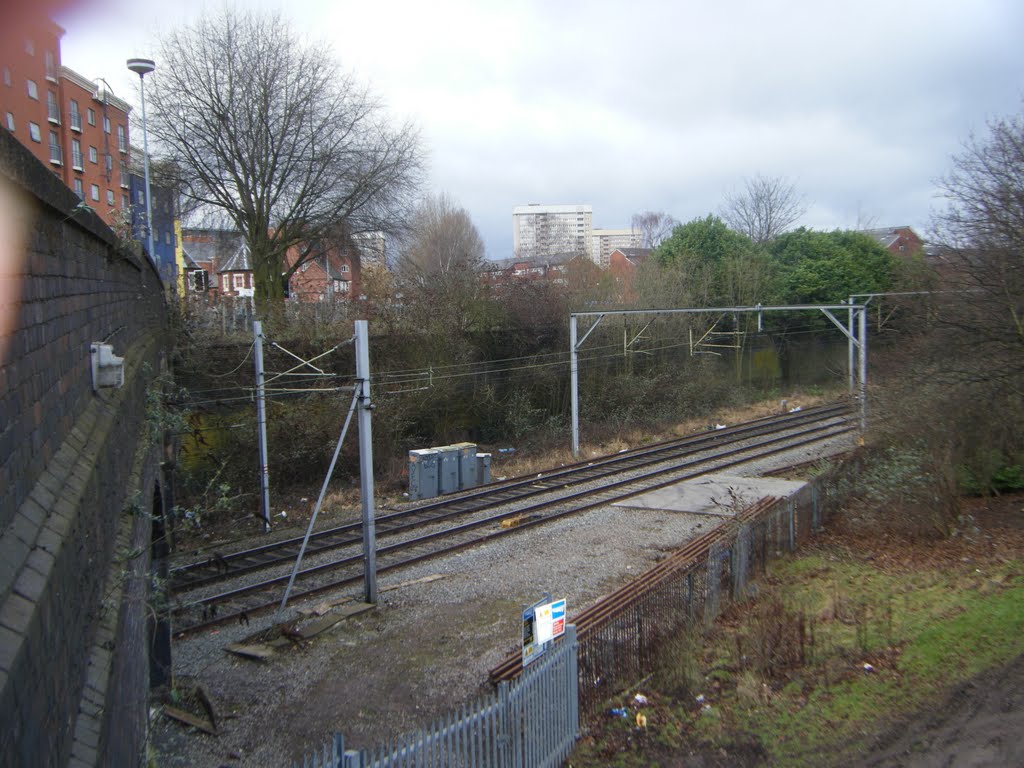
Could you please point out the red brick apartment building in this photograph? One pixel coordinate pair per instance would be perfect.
(75, 127)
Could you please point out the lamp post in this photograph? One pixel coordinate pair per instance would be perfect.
(143, 67)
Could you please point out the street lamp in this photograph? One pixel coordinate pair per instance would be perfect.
(143, 67)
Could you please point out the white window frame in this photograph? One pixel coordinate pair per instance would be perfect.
(110, 197)
(10, 122)
(79, 188)
(75, 115)
(34, 133)
(33, 89)
(239, 281)
(94, 192)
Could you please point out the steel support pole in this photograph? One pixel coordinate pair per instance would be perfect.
(366, 459)
(574, 379)
(863, 335)
(145, 164)
(851, 354)
(261, 424)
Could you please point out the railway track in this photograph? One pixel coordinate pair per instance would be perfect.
(419, 537)
(221, 567)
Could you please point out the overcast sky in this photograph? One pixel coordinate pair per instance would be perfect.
(646, 105)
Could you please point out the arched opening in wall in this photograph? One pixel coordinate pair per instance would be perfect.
(159, 625)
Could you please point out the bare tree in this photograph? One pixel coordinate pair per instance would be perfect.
(265, 128)
(443, 241)
(654, 227)
(981, 241)
(765, 208)
(438, 268)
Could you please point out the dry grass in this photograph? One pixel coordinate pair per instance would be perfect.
(540, 460)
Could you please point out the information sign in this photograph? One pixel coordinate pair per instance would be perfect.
(542, 622)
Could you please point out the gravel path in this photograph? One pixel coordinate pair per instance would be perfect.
(427, 646)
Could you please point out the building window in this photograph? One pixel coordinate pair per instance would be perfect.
(167, 238)
(123, 170)
(33, 90)
(110, 197)
(126, 202)
(108, 161)
(7, 76)
(52, 107)
(106, 124)
(76, 154)
(139, 194)
(344, 268)
(239, 281)
(10, 122)
(92, 154)
(34, 134)
(75, 116)
(225, 281)
(94, 191)
(122, 139)
(79, 189)
(51, 65)
(30, 47)
(91, 115)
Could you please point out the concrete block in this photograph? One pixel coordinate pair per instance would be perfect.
(13, 552)
(40, 560)
(22, 527)
(30, 584)
(16, 614)
(50, 541)
(34, 512)
(10, 646)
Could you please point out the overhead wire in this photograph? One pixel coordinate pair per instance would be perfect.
(252, 344)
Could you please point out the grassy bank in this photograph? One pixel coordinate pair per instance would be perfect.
(841, 643)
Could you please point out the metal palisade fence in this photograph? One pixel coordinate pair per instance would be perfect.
(621, 636)
(533, 717)
(531, 722)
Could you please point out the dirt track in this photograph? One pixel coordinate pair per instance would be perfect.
(980, 724)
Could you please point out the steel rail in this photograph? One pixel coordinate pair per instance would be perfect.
(223, 567)
(608, 494)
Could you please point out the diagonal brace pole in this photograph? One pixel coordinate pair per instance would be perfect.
(319, 502)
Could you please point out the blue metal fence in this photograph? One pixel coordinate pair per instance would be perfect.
(532, 722)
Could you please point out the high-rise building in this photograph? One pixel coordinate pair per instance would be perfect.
(545, 231)
(604, 241)
(74, 126)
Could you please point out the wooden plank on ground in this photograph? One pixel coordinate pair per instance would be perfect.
(189, 719)
(260, 651)
(314, 628)
(421, 580)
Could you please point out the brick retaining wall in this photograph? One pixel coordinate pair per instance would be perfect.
(77, 481)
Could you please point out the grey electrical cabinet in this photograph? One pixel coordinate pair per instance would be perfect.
(467, 465)
(423, 474)
(448, 468)
(483, 468)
